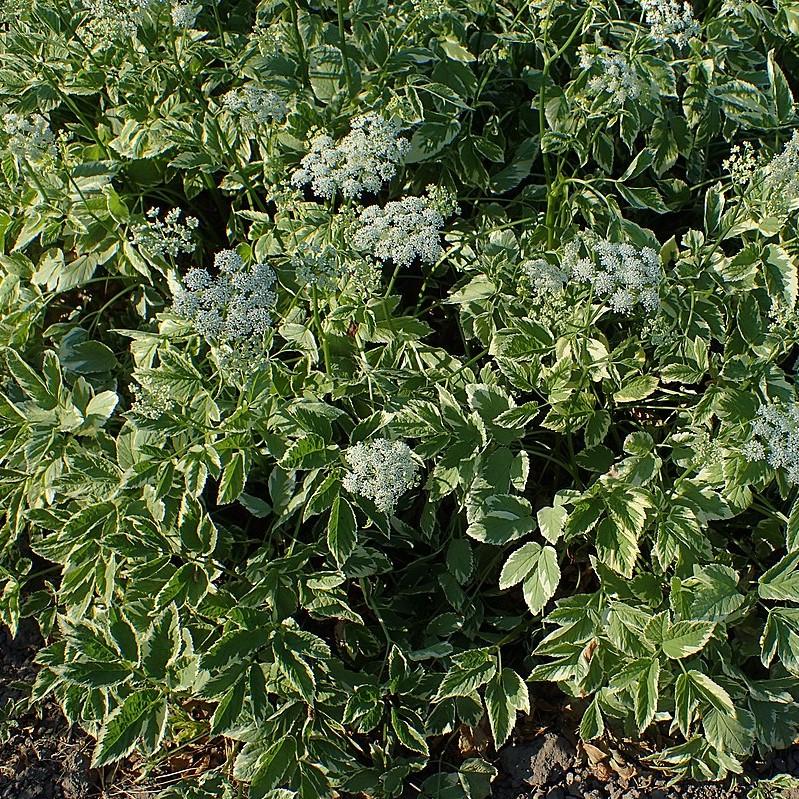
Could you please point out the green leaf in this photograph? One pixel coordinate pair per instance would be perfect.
(101, 406)
(120, 731)
(455, 50)
(342, 530)
(781, 582)
(792, 529)
(468, 672)
(234, 476)
(229, 709)
(504, 695)
(637, 389)
(617, 546)
(540, 585)
(648, 198)
(501, 518)
(781, 94)
(96, 674)
(409, 729)
(87, 358)
(161, 644)
(710, 692)
(309, 452)
(592, 724)
(519, 565)
(731, 733)
(295, 669)
(596, 428)
(29, 381)
(518, 169)
(272, 766)
(687, 638)
(782, 278)
(460, 562)
(645, 698)
(551, 521)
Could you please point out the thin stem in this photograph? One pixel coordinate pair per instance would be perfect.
(343, 47)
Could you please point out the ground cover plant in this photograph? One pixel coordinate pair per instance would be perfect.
(370, 368)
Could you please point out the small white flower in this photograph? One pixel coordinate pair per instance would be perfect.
(151, 397)
(543, 278)
(110, 21)
(168, 237)
(261, 105)
(670, 21)
(620, 274)
(317, 268)
(403, 230)
(233, 308)
(361, 162)
(380, 470)
(780, 187)
(29, 137)
(741, 164)
(614, 78)
(184, 15)
(775, 438)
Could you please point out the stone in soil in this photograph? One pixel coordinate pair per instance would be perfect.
(539, 763)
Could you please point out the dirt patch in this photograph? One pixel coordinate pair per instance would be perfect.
(41, 756)
(549, 767)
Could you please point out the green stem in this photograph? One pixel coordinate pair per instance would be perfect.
(343, 46)
(292, 4)
(320, 332)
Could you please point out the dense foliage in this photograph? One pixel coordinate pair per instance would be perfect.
(370, 367)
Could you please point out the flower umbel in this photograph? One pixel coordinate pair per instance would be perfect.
(781, 179)
(380, 470)
(361, 162)
(232, 308)
(29, 138)
(165, 237)
(621, 275)
(741, 164)
(317, 268)
(404, 230)
(775, 438)
(670, 21)
(261, 105)
(613, 76)
(184, 15)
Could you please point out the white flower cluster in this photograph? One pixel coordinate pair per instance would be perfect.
(405, 229)
(781, 178)
(235, 307)
(741, 164)
(30, 137)
(380, 470)
(317, 268)
(361, 162)
(670, 21)
(165, 237)
(735, 8)
(151, 398)
(184, 15)
(109, 21)
(620, 274)
(776, 438)
(270, 38)
(261, 105)
(615, 78)
(543, 278)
